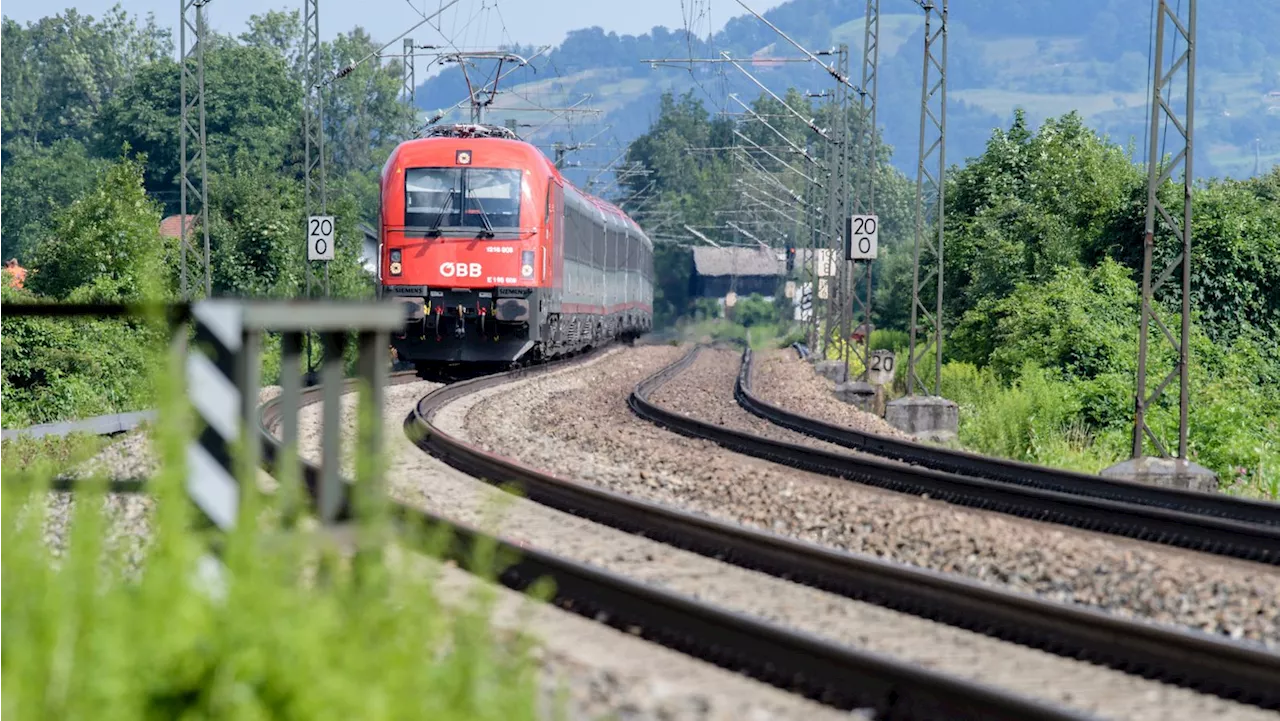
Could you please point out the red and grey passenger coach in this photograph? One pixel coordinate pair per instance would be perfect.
(498, 258)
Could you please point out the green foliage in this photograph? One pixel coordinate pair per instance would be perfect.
(1029, 206)
(754, 310)
(107, 242)
(252, 108)
(58, 368)
(1078, 321)
(39, 181)
(294, 628)
(1034, 419)
(60, 72)
(1043, 258)
(255, 220)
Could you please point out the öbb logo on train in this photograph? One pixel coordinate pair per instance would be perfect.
(460, 270)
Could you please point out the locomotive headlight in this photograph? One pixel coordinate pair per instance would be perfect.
(395, 262)
(526, 264)
(395, 269)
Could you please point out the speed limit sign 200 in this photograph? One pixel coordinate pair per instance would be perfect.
(320, 237)
(862, 236)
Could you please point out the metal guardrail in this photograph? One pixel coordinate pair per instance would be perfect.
(107, 425)
(1244, 510)
(220, 343)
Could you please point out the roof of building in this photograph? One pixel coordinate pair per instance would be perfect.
(171, 227)
(737, 261)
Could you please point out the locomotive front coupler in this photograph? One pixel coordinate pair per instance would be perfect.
(460, 329)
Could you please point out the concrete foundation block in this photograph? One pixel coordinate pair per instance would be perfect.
(928, 418)
(1164, 472)
(834, 370)
(861, 395)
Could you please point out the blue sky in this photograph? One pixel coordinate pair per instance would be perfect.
(478, 23)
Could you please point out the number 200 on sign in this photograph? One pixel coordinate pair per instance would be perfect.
(863, 237)
(320, 237)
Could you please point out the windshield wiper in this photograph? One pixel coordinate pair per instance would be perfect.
(444, 208)
(484, 218)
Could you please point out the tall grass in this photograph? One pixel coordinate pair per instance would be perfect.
(297, 628)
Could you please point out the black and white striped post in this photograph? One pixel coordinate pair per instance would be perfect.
(223, 369)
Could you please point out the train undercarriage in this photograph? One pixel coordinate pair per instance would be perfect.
(501, 328)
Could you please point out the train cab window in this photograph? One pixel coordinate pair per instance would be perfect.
(494, 195)
(453, 198)
(431, 192)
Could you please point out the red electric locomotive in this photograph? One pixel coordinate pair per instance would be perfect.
(497, 258)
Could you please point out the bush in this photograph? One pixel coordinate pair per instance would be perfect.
(1035, 419)
(754, 310)
(110, 238)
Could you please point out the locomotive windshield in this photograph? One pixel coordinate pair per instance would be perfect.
(483, 199)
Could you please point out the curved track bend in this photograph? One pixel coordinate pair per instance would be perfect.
(1243, 510)
(814, 667)
(1211, 534)
(1238, 671)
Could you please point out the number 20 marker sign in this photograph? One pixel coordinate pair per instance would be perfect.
(320, 237)
(863, 237)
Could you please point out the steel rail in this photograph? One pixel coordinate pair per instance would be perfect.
(797, 662)
(1240, 671)
(1176, 528)
(1244, 510)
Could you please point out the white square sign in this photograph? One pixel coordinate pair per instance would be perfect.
(320, 237)
(862, 237)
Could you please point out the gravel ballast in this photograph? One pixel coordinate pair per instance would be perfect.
(1033, 673)
(579, 425)
(128, 457)
(600, 671)
(783, 379)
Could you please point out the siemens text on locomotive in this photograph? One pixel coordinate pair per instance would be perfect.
(497, 258)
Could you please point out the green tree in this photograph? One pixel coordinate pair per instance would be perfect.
(255, 222)
(39, 181)
(59, 72)
(252, 106)
(1032, 204)
(1079, 322)
(108, 241)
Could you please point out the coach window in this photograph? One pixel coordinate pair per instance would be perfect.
(598, 249)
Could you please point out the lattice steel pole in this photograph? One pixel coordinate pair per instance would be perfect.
(866, 198)
(191, 132)
(408, 85)
(832, 215)
(313, 124)
(1158, 172)
(843, 159)
(815, 225)
(933, 117)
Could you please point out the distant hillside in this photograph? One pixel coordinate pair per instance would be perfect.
(1046, 56)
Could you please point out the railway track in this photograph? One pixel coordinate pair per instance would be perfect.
(1243, 510)
(1242, 672)
(814, 667)
(1182, 528)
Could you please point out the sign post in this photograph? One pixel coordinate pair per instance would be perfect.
(320, 242)
(320, 237)
(862, 237)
